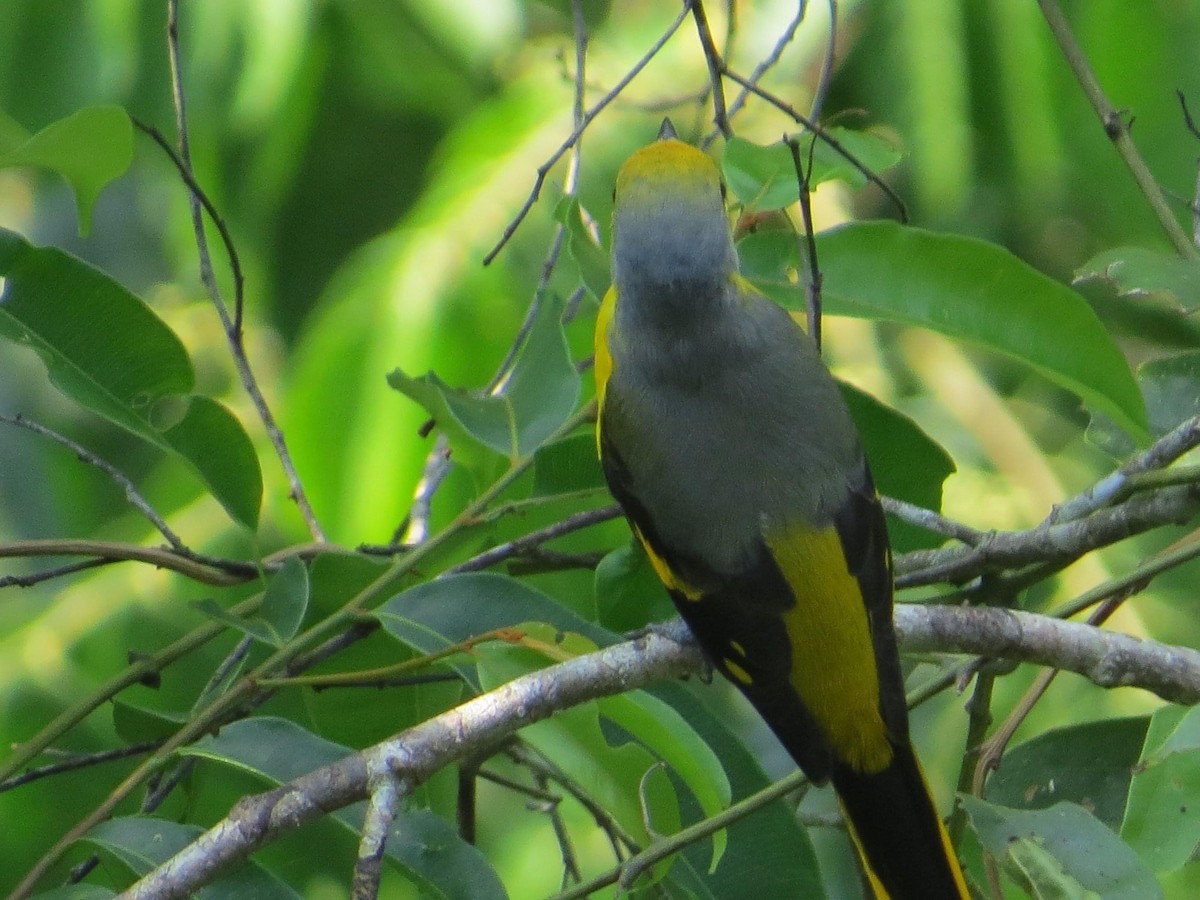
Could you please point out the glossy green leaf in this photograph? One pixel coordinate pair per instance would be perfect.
(966, 289)
(1162, 819)
(76, 892)
(761, 177)
(427, 847)
(255, 627)
(1140, 272)
(108, 351)
(666, 734)
(1171, 388)
(212, 440)
(567, 466)
(587, 254)
(443, 612)
(135, 724)
(286, 599)
(629, 595)
(1089, 856)
(530, 403)
(89, 148)
(576, 739)
(142, 843)
(764, 178)
(1090, 764)
(907, 464)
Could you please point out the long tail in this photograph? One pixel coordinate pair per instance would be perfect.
(898, 833)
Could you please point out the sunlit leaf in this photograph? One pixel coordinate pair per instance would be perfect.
(108, 351)
(89, 148)
(966, 289)
(527, 406)
(764, 178)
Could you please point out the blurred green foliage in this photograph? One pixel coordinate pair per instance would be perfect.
(366, 154)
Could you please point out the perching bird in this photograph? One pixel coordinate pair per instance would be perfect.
(728, 445)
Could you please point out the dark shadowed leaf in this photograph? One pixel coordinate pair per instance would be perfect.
(1139, 272)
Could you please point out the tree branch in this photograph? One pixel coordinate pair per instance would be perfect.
(1107, 658)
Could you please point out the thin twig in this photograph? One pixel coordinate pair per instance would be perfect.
(50, 574)
(220, 573)
(712, 58)
(1116, 128)
(77, 761)
(132, 494)
(764, 65)
(931, 521)
(812, 274)
(822, 135)
(232, 327)
(591, 114)
(515, 547)
(827, 61)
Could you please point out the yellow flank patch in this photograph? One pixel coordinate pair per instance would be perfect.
(737, 671)
(833, 659)
(602, 365)
(670, 580)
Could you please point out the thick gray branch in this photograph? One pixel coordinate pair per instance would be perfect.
(1107, 658)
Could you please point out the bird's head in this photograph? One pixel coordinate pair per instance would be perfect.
(671, 237)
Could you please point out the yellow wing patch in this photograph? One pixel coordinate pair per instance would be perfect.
(833, 659)
(603, 365)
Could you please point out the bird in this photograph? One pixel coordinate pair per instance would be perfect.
(727, 444)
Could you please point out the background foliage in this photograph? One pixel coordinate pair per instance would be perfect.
(366, 155)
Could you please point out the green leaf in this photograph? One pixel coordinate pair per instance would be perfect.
(969, 290)
(89, 148)
(667, 735)
(1171, 388)
(629, 595)
(286, 599)
(446, 611)
(143, 843)
(1139, 272)
(567, 466)
(764, 178)
(1090, 764)
(576, 739)
(76, 892)
(589, 256)
(428, 848)
(255, 627)
(108, 351)
(907, 463)
(1090, 857)
(530, 403)
(1162, 819)
(212, 440)
(135, 724)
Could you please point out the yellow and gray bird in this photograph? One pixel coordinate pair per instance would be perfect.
(729, 447)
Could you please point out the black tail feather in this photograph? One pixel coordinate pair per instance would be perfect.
(898, 831)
